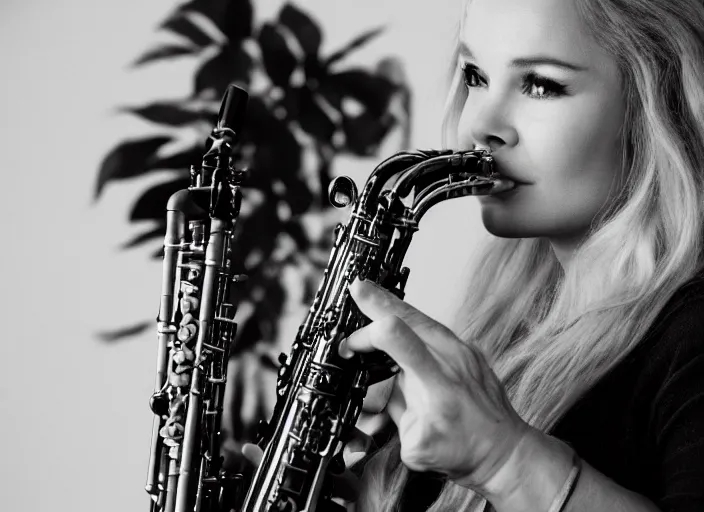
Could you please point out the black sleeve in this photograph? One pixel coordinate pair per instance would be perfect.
(677, 413)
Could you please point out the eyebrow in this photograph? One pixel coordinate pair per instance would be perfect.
(526, 62)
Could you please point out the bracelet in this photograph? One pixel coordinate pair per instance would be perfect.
(558, 504)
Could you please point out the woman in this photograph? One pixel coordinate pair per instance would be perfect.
(583, 338)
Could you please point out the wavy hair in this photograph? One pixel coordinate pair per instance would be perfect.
(551, 334)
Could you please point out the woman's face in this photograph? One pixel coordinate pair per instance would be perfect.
(548, 102)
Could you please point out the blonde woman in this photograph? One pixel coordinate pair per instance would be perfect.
(575, 378)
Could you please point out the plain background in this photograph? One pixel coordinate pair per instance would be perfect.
(76, 426)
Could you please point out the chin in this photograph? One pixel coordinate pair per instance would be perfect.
(507, 232)
(505, 226)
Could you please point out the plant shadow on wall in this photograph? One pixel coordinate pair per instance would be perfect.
(303, 112)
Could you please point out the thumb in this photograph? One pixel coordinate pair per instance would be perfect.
(253, 453)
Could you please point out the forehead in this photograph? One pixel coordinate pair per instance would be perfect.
(513, 28)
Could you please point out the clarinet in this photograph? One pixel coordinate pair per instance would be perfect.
(196, 328)
(320, 393)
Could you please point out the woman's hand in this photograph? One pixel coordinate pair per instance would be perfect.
(451, 411)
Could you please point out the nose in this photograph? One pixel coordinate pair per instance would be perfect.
(486, 123)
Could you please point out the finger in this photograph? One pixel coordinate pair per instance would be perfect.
(394, 337)
(357, 447)
(253, 453)
(376, 303)
(359, 442)
(351, 458)
(378, 396)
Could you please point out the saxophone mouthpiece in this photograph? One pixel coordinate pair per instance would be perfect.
(232, 109)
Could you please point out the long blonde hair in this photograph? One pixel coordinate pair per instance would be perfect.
(550, 334)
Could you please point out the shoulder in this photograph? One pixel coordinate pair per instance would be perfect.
(671, 356)
(669, 359)
(682, 317)
(691, 292)
(674, 394)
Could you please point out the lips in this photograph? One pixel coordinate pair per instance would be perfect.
(501, 169)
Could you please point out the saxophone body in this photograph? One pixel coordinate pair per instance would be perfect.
(319, 393)
(196, 327)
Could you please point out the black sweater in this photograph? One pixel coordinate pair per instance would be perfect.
(642, 425)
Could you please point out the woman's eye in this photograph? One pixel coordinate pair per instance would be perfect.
(542, 88)
(471, 76)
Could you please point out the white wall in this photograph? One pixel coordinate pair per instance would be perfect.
(75, 425)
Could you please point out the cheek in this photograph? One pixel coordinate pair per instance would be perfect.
(575, 138)
(580, 154)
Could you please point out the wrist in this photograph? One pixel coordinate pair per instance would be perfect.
(533, 475)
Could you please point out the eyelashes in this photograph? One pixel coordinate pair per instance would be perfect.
(533, 85)
(471, 75)
(537, 86)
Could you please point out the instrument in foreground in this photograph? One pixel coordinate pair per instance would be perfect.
(319, 393)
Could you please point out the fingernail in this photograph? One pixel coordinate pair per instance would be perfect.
(344, 351)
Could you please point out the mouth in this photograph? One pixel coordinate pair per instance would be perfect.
(501, 171)
(501, 195)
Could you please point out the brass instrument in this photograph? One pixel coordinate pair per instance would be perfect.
(196, 328)
(319, 393)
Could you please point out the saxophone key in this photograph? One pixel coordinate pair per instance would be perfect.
(180, 379)
(159, 404)
(182, 368)
(187, 332)
(188, 304)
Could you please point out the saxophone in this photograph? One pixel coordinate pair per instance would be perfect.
(196, 327)
(319, 393)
